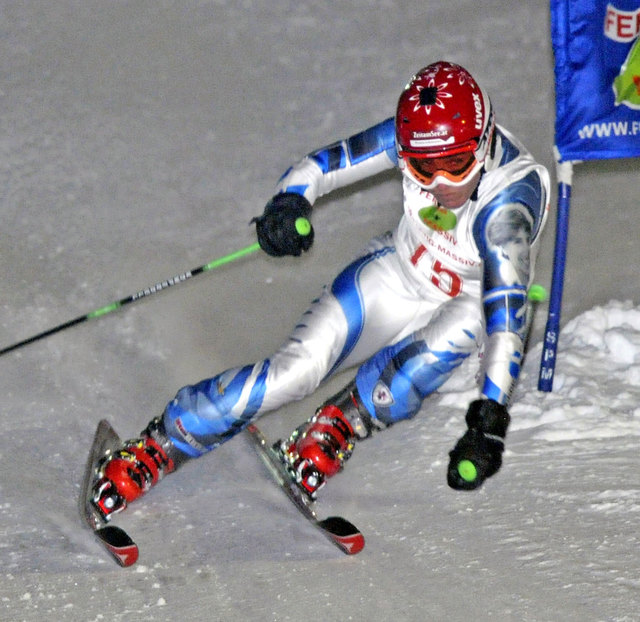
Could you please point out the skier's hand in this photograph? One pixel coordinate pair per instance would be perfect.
(478, 454)
(284, 228)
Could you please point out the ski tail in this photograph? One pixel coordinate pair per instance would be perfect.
(344, 534)
(118, 544)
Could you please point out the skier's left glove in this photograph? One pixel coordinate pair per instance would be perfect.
(478, 454)
(284, 227)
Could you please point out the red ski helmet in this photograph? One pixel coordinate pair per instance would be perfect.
(444, 126)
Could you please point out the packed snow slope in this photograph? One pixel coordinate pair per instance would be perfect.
(138, 139)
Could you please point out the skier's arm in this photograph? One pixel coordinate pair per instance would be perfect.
(284, 227)
(504, 233)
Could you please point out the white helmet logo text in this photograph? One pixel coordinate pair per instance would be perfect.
(478, 106)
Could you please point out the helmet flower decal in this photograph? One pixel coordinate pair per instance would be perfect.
(430, 95)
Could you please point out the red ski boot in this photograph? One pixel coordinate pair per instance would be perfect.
(131, 471)
(318, 449)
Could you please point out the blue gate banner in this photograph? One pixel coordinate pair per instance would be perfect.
(597, 78)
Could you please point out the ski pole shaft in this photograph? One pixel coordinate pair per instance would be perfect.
(137, 296)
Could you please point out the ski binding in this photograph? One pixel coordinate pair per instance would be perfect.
(114, 539)
(346, 536)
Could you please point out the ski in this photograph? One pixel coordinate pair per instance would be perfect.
(115, 540)
(346, 536)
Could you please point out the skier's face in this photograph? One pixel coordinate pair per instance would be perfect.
(452, 197)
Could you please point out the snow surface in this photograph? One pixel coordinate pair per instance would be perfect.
(137, 141)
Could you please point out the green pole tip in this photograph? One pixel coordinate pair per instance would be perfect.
(303, 226)
(537, 293)
(467, 470)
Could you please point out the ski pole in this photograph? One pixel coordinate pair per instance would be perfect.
(137, 296)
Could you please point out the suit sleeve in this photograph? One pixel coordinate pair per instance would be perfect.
(342, 163)
(506, 233)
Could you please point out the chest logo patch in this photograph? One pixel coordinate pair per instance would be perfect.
(438, 218)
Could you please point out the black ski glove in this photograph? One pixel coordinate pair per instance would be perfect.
(478, 454)
(284, 228)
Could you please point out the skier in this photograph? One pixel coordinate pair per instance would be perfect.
(451, 280)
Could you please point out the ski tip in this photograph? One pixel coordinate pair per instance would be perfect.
(103, 426)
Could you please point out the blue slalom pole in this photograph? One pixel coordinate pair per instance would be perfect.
(552, 329)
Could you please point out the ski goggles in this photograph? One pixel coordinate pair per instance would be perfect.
(454, 168)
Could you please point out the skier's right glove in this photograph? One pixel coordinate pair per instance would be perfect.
(284, 227)
(478, 454)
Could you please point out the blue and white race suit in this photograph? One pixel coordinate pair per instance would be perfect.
(409, 310)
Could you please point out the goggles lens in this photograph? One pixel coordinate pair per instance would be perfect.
(454, 167)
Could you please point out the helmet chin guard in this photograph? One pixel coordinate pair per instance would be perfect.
(443, 115)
